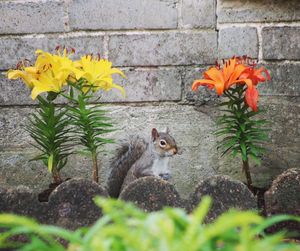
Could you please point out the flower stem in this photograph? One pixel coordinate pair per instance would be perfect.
(56, 176)
(247, 173)
(95, 167)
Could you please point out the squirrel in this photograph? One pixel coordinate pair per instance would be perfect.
(139, 158)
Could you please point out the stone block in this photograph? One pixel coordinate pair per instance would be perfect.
(226, 193)
(192, 131)
(163, 48)
(14, 92)
(243, 11)
(203, 96)
(281, 43)
(151, 194)
(198, 13)
(15, 48)
(16, 168)
(155, 84)
(284, 80)
(238, 41)
(31, 16)
(116, 15)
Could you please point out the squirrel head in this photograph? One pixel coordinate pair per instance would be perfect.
(164, 143)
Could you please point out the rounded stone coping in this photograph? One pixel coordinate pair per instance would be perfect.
(226, 193)
(71, 203)
(287, 183)
(284, 198)
(151, 194)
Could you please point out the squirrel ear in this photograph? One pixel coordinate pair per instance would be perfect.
(155, 134)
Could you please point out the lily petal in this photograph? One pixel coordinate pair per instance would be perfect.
(251, 98)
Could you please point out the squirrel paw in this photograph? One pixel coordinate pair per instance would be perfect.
(165, 176)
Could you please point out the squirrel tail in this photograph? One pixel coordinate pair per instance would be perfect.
(126, 156)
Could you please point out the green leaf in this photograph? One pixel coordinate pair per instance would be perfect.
(243, 150)
(255, 158)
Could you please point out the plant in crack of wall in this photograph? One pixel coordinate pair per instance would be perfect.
(49, 125)
(91, 122)
(237, 79)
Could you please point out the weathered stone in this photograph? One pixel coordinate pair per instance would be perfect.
(242, 11)
(3, 192)
(15, 48)
(16, 168)
(151, 194)
(111, 15)
(192, 131)
(203, 96)
(21, 200)
(284, 198)
(14, 92)
(163, 48)
(31, 16)
(284, 80)
(238, 41)
(198, 13)
(71, 204)
(281, 43)
(226, 193)
(12, 128)
(160, 84)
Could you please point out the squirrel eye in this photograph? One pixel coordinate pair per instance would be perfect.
(162, 143)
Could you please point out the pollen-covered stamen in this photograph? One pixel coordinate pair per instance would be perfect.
(22, 64)
(47, 67)
(19, 65)
(57, 48)
(73, 50)
(99, 56)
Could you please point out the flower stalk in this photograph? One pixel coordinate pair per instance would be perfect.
(95, 167)
(49, 128)
(90, 121)
(239, 131)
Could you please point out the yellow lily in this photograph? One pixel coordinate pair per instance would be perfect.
(28, 74)
(49, 73)
(47, 82)
(98, 74)
(60, 65)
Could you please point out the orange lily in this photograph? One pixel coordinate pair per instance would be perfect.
(222, 79)
(251, 95)
(251, 98)
(256, 75)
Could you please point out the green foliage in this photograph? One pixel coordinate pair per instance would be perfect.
(124, 227)
(240, 132)
(50, 131)
(91, 122)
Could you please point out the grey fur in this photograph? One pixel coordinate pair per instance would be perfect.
(126, 156)
(137, 158)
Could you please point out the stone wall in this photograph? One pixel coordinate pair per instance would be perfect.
(162, 46)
